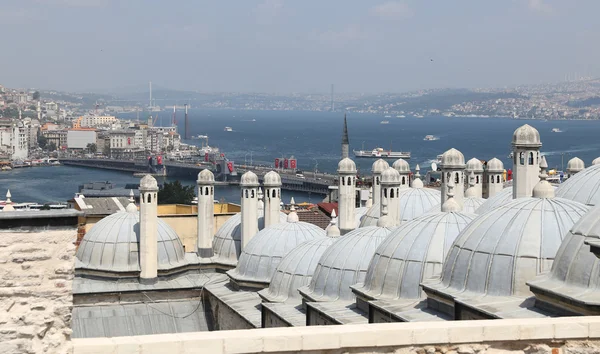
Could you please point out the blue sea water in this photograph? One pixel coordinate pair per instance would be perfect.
(314, 139)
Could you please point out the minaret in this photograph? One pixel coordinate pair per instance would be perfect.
(526, 160)
(475, 168)
(345, 141)
(574, 166)
(333, 230)
(249, 184)
(378, 167)
(347, 195)
(148, 230)
(543, 189)
(390, 190)
(403, 169)
(494, 177)
(8, 205)
(272, 184)
(206, 213)
(453, 167)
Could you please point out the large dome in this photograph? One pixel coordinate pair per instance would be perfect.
(414, 202)
(265, 250)
(227, 241)
(343, 264)
(112, 245)
(296, 270)
(498, 252)
(413, 252)
(584, 187)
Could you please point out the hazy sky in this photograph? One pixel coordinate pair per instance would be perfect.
(296, 46)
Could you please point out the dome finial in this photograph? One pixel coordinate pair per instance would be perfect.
(261, 203)
(543, 189)
(417, 183)
(333, 230)
(292, 216)
(385, 220)
(8, 204)
(450, 205)
(131, 208)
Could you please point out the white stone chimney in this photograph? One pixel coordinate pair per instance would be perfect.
(347, 195)
(206, 213)
(390, 190)
(379, 166)
(526, 160)
(249, 184)
(272, 184)
(148, 230)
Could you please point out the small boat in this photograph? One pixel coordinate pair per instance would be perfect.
(556, 130)
(199, 136)
(253, 120)
(418, 115)
(228, 129)
(387, 117)
(430, 138)
(401, 116)
(385, 122)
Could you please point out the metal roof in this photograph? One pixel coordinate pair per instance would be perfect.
(584, 187)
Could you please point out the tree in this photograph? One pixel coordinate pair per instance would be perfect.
(52, 146)
(92, 148)
(36, 95)
(42, 141)
(176, 193)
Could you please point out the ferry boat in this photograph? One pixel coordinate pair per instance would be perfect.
(401, 116)
(430, 138)
(381, 153)
(388, 116)
(556, 130)
(228, 129)
(198, 137)
(385, 122)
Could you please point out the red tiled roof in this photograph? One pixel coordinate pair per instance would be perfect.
(315, 217)
(327, 208)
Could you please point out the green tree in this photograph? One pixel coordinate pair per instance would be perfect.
(91, 148)
(42, 141)
(176, 193)
(52, 146)
(36, 95)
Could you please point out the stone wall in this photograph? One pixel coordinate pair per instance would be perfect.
(223, 317)
(36, 272)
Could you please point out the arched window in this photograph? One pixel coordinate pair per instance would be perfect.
(349, 181)
(273, 194)
(403, 180)
(521, 158)
(377, 180)
(343, 181)
(392, 193)
(477, 179)
(252, 194)
(149, 198)
(246, 193)
(531, 158)
(206, 191)
(385, 192)
(498, 179)
(456, 179)
(200, 190)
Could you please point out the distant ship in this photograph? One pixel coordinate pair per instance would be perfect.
(387, 117)
(418, 115)
(199, 136)
(381, 153)
(228, 129)
(385, 122)
(401, 116)
(430, 138)
(556, 130)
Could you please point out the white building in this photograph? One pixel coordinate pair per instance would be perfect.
(80, 138)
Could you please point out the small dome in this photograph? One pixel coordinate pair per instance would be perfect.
(596, 161)
(503, 197)
(414, 202)
(410, 254)
(453, 159)
(206, 177)
(343, 264)
(296, 270)
(526, 136)
(272, 179)
(575, 165)
(227, 240)
(495, 166)
(471, 204)
(390, 177)
(112, 245)
(474, 165)
(401, 166)
(584, 187)
(266, 249)
(346, 166)
(249, 179)
(379, 166)
(148, 182)
(500, 250)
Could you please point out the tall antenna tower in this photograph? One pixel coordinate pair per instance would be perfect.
(332, 103)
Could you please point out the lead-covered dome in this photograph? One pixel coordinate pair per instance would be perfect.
(148, 182)
(265, 250)
(112, 245)
(575, 165)
(413, 252)
(414, 202)
(249, 179)
(346, 165)
(401, 166)
(390, 176)
(526, 136)
(495, 166)
(474, 165)
(227, 241)
(272, 179)
(379, 166)
(206, 177)
(584, 187)
(453, 159)
(498, 252)
(343, 264)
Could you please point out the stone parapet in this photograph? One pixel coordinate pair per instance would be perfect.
(548, 335)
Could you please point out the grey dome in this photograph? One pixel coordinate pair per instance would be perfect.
(296, 270)
(596, 161)
(453, 159)
(272, 179)
(474, 165)
(265, 250)
(112, 245)
(576, 269)
(390, 177)
(401, 166)
(206, 177)
(148, 182)
(575, 165)
(495, 166)
(498, 252)
(343, 264)
(470, 205)
(414, 202)
(347, 166)
(413, 252)
(526, 136)
(227, 240)
(503, 197)
(249, 179)
(379, 166)
(583, 187)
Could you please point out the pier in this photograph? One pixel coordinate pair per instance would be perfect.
(317, 183)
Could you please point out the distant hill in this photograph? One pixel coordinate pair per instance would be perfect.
(592, 101)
